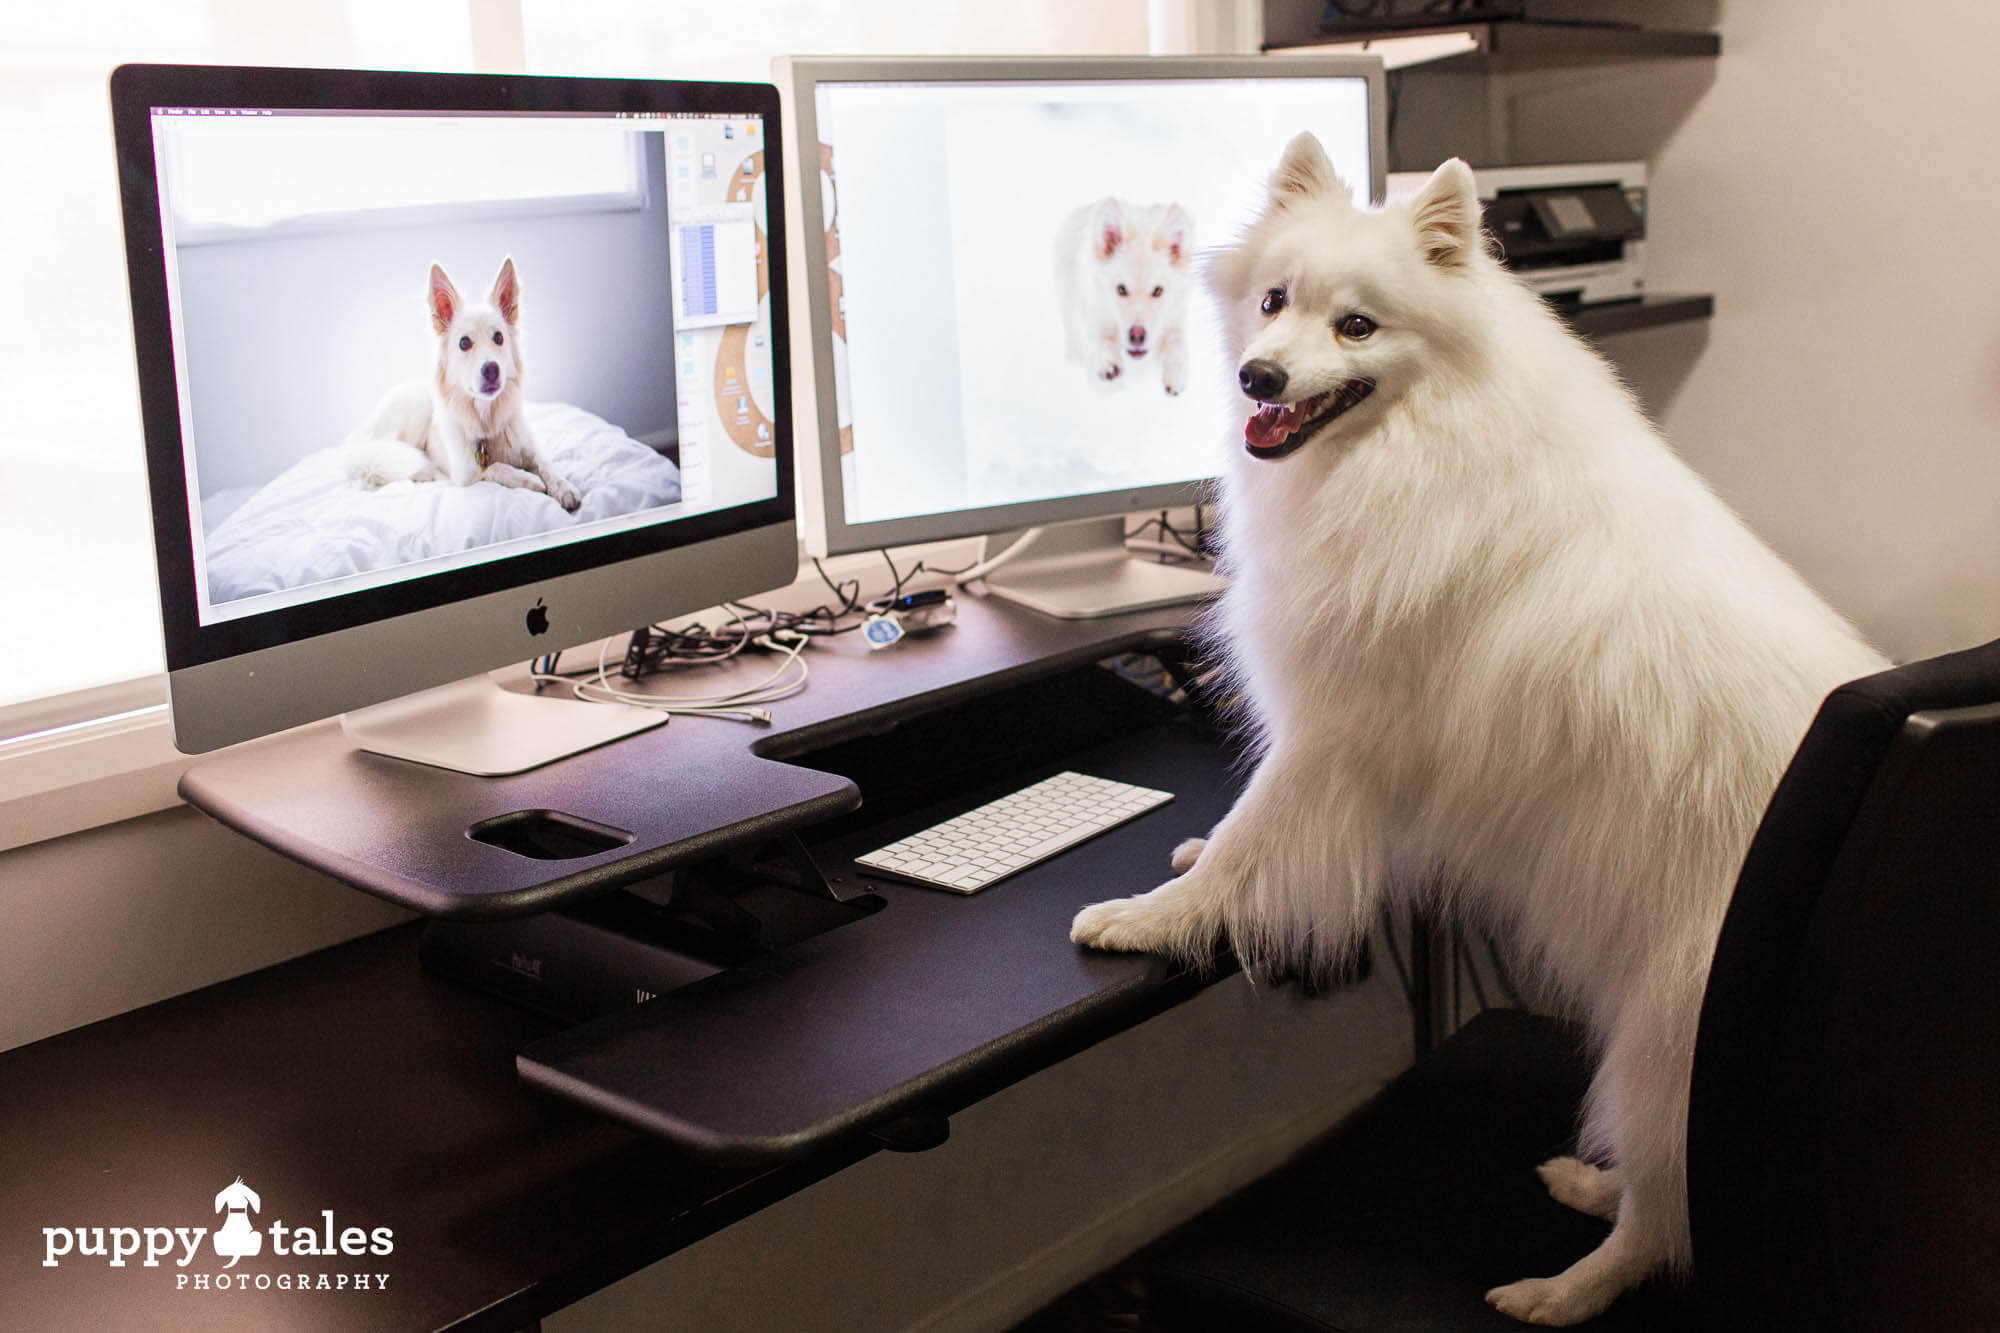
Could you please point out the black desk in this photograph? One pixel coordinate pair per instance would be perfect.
(351, 1081)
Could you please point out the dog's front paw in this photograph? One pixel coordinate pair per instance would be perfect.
(1124, 925)
(1553, 1302)
(564, 494)
(1107, 371)
(1185, 855)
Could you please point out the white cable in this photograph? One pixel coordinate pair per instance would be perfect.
(985, 567)
(731, 704)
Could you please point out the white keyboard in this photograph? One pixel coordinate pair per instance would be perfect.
(967, 852)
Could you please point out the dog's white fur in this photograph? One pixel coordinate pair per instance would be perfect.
(1486, 623)
(465, 424)
(1124, 272)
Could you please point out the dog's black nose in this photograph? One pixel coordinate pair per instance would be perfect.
(490, 373)
(1262, 380)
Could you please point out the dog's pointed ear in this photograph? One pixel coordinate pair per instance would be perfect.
(1305, 172)
(444, 300)
(507, 291)
(1176, 236)
(1446, 215)
(1107, 228)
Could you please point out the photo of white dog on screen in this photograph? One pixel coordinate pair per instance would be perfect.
(464, 424)
(1123, 272)
(353, 309)
(1486, 625)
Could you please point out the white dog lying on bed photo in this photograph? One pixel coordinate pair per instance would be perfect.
(1488, 626)
(466, 423)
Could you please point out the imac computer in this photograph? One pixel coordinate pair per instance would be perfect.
(1000, 300)
(445, 372)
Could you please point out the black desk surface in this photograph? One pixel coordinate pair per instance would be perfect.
(351, 1081)
(686, 790)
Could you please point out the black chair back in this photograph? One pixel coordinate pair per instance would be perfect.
(1844, 1124)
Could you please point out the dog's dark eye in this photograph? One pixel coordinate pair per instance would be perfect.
(497, 339)
(465, 343)
(1159, 291)
(1274, 301)
(1122, 291)
(1355, 326)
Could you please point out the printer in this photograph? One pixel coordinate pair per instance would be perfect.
(1576, 233)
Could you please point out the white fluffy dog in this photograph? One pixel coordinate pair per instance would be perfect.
(466, 423)
(1487, 623)
(1124, 271)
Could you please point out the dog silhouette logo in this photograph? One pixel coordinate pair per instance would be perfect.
(236, 1237)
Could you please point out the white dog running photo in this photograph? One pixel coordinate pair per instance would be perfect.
(466, 423)
(1123, 272)
(1485, 623)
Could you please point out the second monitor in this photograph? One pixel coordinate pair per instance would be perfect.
(1002, 283)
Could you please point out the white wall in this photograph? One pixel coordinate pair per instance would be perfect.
(1827, 179)
(1835, 189)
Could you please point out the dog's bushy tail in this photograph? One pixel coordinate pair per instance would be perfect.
(376, 462)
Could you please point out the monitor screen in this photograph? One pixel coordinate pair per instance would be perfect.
(410, 341)
(1014, 325)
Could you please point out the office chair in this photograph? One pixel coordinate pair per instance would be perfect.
(1844, 1122)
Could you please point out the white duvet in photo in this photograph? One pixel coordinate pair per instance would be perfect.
(314, 522)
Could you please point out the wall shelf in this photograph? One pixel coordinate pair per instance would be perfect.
(1506, 45)
(1649, 311)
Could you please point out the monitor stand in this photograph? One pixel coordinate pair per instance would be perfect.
(475, 726)
(1078, 571)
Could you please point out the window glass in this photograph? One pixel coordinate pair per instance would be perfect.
(75, 528)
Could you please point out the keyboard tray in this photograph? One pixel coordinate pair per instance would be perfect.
(921, 1009)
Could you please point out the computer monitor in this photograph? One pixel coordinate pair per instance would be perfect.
(441, 373)
(1000, 304)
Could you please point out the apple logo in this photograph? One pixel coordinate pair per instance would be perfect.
(538, 618)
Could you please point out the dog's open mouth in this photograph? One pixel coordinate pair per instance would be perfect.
(1277, 428)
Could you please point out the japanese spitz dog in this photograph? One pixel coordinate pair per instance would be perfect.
(1123, 272)
(465, 424)
(1488, 626)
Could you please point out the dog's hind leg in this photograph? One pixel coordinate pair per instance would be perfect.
(1634, 1251)
(1577, 1184)
(1637, 1117)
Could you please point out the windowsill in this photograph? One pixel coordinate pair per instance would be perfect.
(120, 762)
(77, 777)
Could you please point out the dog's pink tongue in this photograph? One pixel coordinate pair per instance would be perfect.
(1268, 426)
